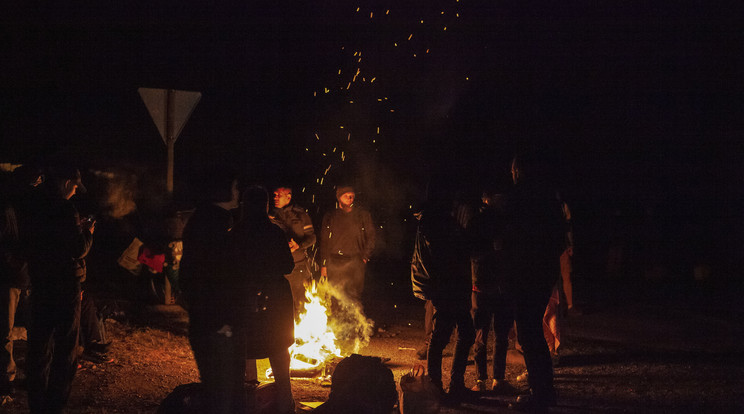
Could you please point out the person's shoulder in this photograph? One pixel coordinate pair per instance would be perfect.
(297, 210)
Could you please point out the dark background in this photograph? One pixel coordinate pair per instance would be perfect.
(641, 103)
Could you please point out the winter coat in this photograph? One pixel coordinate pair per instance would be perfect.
(203, 274)
(260, 257)
(488, 264)
(349, 234)
(57, 248)
(297, 225)
(440, 267)
(534, 238)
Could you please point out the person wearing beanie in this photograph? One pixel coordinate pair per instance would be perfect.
(347, 239)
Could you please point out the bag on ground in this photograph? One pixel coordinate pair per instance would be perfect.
(418, 395)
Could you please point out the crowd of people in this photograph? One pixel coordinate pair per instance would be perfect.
(236, 251)
(245, 269)
(506, 266)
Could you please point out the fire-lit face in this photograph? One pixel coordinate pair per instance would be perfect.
(282, 197)
(346, 199)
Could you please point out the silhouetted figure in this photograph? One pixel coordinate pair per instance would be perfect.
(209, 289)
(441, 274)
(533, 244)
(59, 242)
(489, 303)
(15, 195)
(261, 258)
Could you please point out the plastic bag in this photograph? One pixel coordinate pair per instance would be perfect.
(418, 395)
(128, 259)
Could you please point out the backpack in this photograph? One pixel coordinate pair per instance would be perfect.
(361, 385)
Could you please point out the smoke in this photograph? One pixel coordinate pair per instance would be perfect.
(351, 326)
(118, 192)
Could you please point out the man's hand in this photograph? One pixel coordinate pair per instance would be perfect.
(89, 225)
(293, 246)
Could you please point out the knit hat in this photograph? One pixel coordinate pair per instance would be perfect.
(343, 190)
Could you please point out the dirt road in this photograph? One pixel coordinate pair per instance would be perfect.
(670, 354)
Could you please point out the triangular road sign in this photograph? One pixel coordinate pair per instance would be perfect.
(169, 109)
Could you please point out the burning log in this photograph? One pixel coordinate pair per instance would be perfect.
(317, 347)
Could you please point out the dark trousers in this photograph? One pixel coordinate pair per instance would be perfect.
(447, 317)
(529, 308)
(221, 363)
(297, 279)
(9, 299)
(90, 326)
(428, 321)
(488, 308)
(347, 274)
(52, 351)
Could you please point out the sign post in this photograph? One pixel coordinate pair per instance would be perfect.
(169, 109)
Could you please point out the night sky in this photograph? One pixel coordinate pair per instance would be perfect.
(640, 101)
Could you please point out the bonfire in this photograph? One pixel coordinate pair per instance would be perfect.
(322, 338)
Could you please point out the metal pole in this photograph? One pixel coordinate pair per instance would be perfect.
(170, 95)
(171, 143)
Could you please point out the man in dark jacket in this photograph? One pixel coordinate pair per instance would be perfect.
(533, 244)
(59, 242)
(205, 281)
(261, 259)
(14, 279)
(300, 233)
(441, 273)
(489, 303)
(347, 239)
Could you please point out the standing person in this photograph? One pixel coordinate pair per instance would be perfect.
(208, 289)
(261, 258)
(563, 291)
(347, 239)
(14, 279)
(489, 303)
(567, 262)
(533, 245)
(440, 272)
(463, 211)
(59, 242)
(299, 230)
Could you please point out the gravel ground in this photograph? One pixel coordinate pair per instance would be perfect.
(661, 353)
